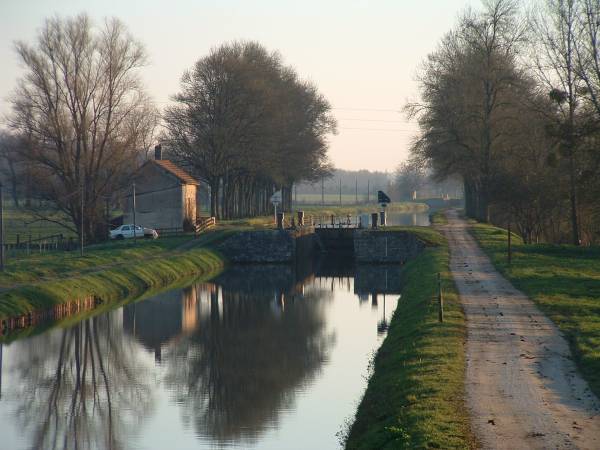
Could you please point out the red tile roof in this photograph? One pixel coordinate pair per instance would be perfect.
(173, 169)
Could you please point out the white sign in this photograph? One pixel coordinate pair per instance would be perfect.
(276, 198)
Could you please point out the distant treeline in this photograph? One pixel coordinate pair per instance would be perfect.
(407, 182)
(352, 182)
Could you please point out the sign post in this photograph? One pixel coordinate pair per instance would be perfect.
(383, 199)
(276, 199)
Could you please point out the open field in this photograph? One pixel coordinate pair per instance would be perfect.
(25, 224)
(333, 199)
(415, 396)
(318, 210)
(564, 281)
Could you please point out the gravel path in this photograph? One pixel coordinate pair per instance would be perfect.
(523, 391)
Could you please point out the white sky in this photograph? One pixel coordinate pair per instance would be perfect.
(363, 55)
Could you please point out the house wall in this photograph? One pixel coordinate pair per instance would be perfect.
(188, 192)
(159, 199)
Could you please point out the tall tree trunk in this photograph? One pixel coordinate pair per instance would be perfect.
(573, 199)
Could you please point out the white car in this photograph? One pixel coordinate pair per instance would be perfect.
(126, 232)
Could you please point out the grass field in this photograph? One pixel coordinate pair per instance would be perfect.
(333, 199)
(564, 281)
(26, 224)
(415, 397)
(318, 210)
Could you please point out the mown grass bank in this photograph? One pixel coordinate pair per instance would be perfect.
(415, 395)
(564, 281)
(109, 273)
(48, 266)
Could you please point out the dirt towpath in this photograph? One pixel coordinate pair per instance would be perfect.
(523, 391)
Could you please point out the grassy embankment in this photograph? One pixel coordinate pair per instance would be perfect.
(564, 281)
(110, 271)
(415, 395)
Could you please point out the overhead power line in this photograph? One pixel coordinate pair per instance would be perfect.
(380, 129)
(369, 109)
(373, 120)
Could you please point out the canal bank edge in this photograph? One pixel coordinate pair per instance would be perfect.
(415, 394)
(24, 306)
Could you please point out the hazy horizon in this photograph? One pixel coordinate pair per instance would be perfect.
(363, 56)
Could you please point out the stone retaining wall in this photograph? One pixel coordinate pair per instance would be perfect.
(268, 246)
(380, 246)
(279, 246)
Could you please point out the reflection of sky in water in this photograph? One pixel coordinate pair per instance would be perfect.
(408, 219)
(258, 361)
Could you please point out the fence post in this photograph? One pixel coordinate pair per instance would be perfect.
(440, 299)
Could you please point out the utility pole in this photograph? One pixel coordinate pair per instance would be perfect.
(81, 222)
(107, 217)
(509, 243)
(134, 224)
(368, 191)
(340, 192)
(356, 191)
(322, 191)
(1, 230)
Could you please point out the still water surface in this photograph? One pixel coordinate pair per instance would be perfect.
(261, 357)
(420, 219)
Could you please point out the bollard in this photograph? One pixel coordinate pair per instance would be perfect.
(280, 218)
(300, 218)
(383, 218)
(374, 220)
(332, 221)
(440, 299)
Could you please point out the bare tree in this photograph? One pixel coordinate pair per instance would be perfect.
(554, 55)
(409, 177)
(467, 89)
(83, 110)
(246, 124)
(587, 49)
(11, 148)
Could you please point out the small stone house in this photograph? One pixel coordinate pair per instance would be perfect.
(165, 196)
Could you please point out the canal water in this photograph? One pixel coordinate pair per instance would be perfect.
(265, 357)
(420, 219)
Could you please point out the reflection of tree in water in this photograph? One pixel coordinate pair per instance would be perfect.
(246, 360)
(79, 386)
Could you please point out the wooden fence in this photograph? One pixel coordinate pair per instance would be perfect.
(43, 244)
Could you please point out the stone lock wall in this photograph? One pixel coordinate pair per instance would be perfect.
(278, 246)
(380, 246)
(268, 246)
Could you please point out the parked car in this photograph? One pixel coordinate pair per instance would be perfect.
(126, 232)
